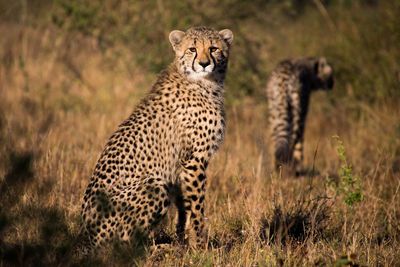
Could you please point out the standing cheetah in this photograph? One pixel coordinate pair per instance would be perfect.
(288, 91)
(159, 155)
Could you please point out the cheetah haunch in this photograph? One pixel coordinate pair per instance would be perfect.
(288, 91)
(159, 155)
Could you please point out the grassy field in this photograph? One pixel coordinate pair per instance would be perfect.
(64, 89)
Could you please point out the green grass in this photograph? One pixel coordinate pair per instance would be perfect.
(349, 185)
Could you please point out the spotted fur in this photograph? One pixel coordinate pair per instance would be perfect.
(159, 155)
(288, 91)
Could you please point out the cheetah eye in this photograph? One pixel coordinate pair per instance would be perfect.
(213, 49)
(192, 49)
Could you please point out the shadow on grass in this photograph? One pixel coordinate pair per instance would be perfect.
(302, 222)
(54, 241)
(52, 226)
(12, 187)
(307, 172)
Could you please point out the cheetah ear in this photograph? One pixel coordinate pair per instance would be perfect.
(175, 37)
(227, 35)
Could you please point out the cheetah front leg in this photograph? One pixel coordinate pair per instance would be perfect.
(298, 150)
(298, 157)
(191, 213)
(298, 121)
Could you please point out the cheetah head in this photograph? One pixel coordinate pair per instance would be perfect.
(201, 53)
(323, 72)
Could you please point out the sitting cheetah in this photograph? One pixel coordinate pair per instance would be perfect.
(159, 155)
(288, 91)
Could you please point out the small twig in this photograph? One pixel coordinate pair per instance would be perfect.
(77, 73)
(321, 8)
(311, 177)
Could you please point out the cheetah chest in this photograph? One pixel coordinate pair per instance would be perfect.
(204, 125)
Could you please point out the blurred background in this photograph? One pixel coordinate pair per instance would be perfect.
(71, 71)
(359, 37)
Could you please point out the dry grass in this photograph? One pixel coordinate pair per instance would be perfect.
(61, 98)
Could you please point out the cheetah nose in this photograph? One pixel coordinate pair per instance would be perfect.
(204, 63)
